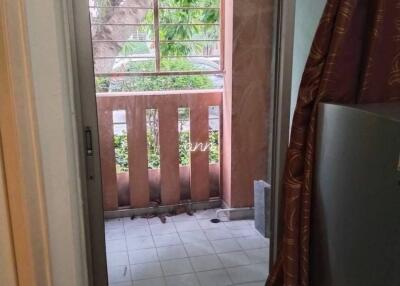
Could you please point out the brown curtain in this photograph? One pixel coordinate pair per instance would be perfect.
(355, 58)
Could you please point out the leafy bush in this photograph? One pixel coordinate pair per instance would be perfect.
(131, 48)
(102, 84)
(151, 83)
(184, 153)
(174, 37)
(213, 156)
(153, 152)
(174, 44)
(121, 150)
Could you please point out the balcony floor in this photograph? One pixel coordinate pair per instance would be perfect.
(185, 251)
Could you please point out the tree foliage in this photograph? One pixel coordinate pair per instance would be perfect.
(149, 83)
(153, 155)
(179, 30)
(182, 31)
(176, 34)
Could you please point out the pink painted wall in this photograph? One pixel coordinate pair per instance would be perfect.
(246, 102)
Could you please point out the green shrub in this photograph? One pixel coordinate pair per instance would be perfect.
(121, 150)
(213, 156)
(156, 83)
(149, 83)
(184, 154)
(153, 152)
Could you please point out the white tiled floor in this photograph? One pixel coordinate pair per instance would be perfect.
(185, 251)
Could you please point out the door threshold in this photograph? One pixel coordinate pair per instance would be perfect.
(128, 212)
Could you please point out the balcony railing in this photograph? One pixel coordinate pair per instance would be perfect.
(170, 183)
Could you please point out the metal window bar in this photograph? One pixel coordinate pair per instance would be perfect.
(162, 73)
(158, 24)
(151, 8)
(120, 7)
(122, 41)
(157, 35)
(151, 57)
(157, 41)
(121, 24)
(189, 8)
(152, 41)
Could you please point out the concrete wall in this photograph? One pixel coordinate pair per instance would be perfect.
(308, 14)
(248, 51)
(49, 46)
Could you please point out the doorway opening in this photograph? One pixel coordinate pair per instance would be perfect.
(177, 143)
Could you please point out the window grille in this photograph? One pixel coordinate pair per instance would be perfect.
(199, 43)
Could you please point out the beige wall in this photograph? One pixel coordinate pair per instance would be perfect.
(49, 48)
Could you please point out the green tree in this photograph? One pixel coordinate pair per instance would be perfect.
(181, 31)
(175, 34)
(121, 150)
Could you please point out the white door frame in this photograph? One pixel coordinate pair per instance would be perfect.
(282, 83)
(85, 93)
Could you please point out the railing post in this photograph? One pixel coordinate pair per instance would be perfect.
(137, 153)
(107, 154)
(199, 166)
(169, 153)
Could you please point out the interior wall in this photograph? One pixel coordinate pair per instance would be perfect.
(307, 16)
(248, 51)
(8, 273)
(49, 49)
(8, 270)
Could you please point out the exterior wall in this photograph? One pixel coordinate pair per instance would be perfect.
(49, 49)
(246, 101)
(307, 16)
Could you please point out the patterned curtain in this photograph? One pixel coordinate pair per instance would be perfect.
(355, 58)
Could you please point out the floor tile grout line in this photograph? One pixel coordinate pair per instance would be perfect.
(127, 252)
(195, 256)
(242, 266)
(209, 241)
(158, 258)
(190, 261)
(224, 267)
(187, 254)
(215, 253)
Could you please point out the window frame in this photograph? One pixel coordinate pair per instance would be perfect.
(156, 8)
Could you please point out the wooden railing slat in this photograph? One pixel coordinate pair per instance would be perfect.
(137, 153)
(107, 155)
